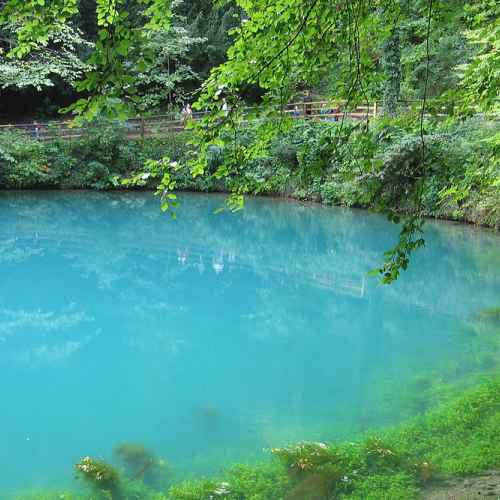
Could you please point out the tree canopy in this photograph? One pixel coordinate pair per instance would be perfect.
(434, 52)
(280, 46)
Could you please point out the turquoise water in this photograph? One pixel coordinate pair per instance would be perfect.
(213, 337)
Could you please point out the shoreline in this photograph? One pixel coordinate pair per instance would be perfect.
(447, 219)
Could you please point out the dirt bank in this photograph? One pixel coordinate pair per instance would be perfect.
(486, 484)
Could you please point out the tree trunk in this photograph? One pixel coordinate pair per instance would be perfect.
(391, 60)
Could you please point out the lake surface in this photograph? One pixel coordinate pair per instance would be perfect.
(213, 337)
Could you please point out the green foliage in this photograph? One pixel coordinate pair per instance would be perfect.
(256, 482)
(398, 257)
(382, 168)
(473, 184)
(166, 80)
(24, 162)
(99, 159)
(378, 455)
(51, 495)
(37, 21)
(213, 22)
(54, 59)
(459, 437)
(249, 482)
(193, 490)
(391, 50)
(137, 490)
(315, 467)
(396, 486)
(121, 52)
(481, 76)
(446, 48)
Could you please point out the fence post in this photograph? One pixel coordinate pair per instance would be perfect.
(143, 128)
(375, 108)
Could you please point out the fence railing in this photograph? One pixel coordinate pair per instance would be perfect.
(174, 122)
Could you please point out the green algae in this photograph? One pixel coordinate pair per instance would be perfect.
(490, 314)
(458, 438)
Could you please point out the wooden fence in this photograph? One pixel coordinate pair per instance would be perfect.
(162, 124)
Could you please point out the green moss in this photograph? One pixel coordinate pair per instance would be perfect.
(51, 495)
(490, 314)
(193, 490)
(250, 482)
(458, 438)
(257, 482)
(396, 486)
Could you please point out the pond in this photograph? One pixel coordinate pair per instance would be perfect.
(212, 337)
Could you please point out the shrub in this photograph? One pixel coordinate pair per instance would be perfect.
(325, 161)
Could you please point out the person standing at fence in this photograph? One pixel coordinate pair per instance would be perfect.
(325, 111)
(187, 113)
(36, 130)
(336, 112)
(307, 100)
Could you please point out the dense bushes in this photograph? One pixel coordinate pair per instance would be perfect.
(90, 161)
(381, 167)
(342, 164)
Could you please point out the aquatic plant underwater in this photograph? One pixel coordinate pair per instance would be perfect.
(459, 438)
(140, 470)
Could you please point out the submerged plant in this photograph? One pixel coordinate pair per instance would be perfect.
(140, 463)
(99, 475)
(458, 438)
(378, 454)
(425, 471)
(136, 458)
(316, 467)
(303, 457)
(490, 314)
(201, 489)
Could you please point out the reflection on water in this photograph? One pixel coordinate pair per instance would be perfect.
(213, 336)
